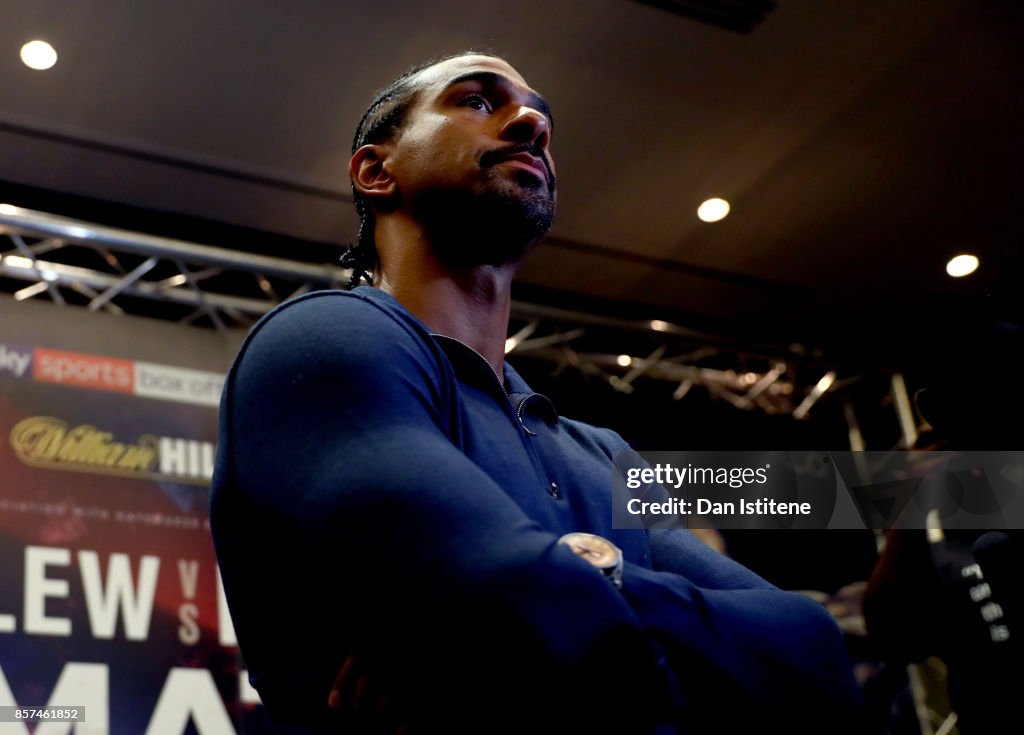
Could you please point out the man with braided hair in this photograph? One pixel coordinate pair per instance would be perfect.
(389, 494)
(526, 215)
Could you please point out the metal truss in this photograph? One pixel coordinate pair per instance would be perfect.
(104, 265)
(96, 267)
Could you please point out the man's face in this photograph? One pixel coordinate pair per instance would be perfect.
(472, 163)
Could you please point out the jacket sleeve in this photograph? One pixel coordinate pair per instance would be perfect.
(752, 653)
(736, 638)
(346, 520)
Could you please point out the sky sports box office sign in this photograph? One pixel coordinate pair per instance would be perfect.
(111, 608)
(135, 377)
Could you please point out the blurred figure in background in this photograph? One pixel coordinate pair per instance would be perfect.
(958, 594)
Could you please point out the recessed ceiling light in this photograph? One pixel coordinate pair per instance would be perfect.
(962, 265)
(713, 210)
(38, 55)
(624, 360)
(659, 326)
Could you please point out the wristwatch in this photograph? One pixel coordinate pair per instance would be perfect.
(599, 551)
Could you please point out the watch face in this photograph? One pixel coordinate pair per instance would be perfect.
(597, 550)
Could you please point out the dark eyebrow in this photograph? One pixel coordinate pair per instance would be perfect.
(493, 79)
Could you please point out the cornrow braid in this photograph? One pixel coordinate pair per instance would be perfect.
(383, 118)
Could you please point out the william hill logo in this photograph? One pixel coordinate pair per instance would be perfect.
(44, 441)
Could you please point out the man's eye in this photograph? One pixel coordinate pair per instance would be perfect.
(477, 102)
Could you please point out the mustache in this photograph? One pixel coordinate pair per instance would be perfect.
(496, 156)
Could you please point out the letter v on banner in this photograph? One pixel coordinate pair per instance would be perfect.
(188, 572)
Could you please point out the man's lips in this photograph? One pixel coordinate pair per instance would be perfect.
(528, 163)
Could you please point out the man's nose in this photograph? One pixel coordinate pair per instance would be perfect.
(528, 126)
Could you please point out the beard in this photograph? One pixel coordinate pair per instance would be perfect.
(496, 224)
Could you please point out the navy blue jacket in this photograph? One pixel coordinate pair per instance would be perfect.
(377, 491)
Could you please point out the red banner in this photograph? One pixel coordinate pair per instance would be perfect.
(109, 594)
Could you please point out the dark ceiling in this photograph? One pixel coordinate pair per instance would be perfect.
(860, 144)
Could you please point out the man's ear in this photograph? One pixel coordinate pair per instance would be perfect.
(370, 172)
